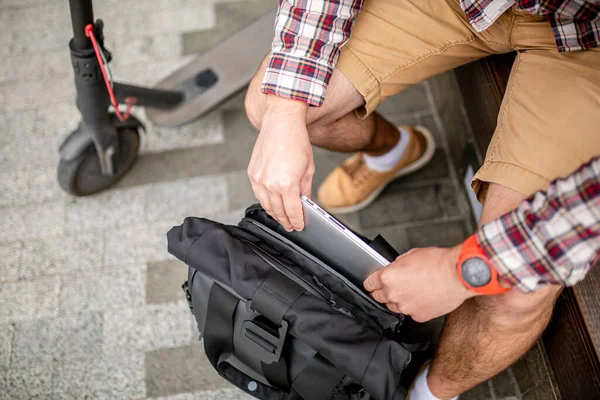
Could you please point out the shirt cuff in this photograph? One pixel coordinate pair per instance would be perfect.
(296, 78)
(506, 255)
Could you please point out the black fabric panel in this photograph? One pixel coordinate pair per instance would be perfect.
(366, 356)
(318, 380)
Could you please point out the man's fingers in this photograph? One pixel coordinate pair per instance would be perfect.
(393, 307)
(306, 185)
(379, 296)
(263, 197)
(279, 211)
(373, 282)
(293, 209)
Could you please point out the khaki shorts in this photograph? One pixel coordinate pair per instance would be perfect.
(549, 122)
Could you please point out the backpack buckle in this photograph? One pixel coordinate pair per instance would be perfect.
(263, 344)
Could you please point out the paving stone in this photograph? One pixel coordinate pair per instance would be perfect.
(232, 155)
(239, 190)
(137, 244)
(111, 377)
(32, 221)
(47, 340)
(36, 94)
(231, 393)
(43, 28)
(36, 66)
(107, 209)
(180, 369)
(148, 22)
(116, 287)
(230, 18)
(204, 131)
(428, 121)
(398, 116)
(6, 338)
(533, 375)
(449, 200)
(164, 281)
(145, 50)
(479, 392)
(224, 394)
(191, 197)
(29, 187)
(412, 99)
(36, 298)
(325, 162)
(504, 386)
(229, 217)
(33, 382)
(62, 255)
(148, 328)
(235, 103)
(24, 3)
(444, 234)
(393, 234)
(10, 254)
(410, 205)
(435, 170)
(36, 133)
(351, 220)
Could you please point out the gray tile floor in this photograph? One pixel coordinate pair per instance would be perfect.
(90, 300)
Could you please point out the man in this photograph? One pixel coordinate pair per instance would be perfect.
(546, 129)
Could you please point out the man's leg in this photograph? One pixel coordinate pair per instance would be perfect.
(334, 125)
(487, 334)
(544, 132)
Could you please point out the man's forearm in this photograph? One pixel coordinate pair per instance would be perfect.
(552, 237)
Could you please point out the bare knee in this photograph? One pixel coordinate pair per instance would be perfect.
(520, 311)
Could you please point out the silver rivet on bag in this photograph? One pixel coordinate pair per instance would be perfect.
(252, 386)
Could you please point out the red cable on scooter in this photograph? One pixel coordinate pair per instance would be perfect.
(130, 101)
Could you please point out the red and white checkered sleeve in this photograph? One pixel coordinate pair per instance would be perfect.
(553, 237)
(309, 35)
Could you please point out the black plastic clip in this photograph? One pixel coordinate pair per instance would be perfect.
(262, 344)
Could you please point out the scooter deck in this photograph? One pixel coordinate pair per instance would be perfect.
(216, 75)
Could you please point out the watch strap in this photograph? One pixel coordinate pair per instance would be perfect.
(472, 248)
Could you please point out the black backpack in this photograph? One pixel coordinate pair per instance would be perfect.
(280, 324)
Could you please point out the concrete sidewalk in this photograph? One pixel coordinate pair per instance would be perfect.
(90, 300)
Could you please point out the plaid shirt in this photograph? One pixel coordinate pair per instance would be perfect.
(310, 33)
(551, 238)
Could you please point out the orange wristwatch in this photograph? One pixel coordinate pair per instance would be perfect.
(476, 271)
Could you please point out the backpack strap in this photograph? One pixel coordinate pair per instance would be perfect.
(275, 296)
(218, 340)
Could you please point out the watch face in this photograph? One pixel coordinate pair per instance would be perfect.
(476, 272)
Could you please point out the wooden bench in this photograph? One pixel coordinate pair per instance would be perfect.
(572, 340)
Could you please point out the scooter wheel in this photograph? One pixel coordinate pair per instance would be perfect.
(82, 176)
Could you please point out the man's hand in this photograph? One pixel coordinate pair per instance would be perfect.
(282, 165)
(421, 283)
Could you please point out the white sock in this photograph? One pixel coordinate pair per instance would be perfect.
(388, 160)
(420, 390)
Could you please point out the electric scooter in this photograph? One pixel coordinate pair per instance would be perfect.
(106, 143)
